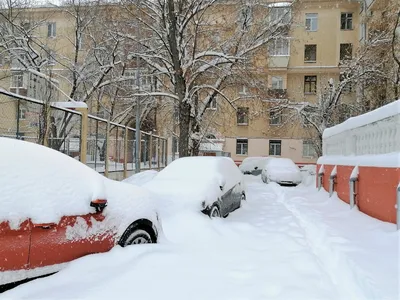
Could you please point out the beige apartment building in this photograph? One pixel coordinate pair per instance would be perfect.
(296, 68)
(321, 35)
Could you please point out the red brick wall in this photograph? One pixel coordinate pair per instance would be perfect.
(376, 189)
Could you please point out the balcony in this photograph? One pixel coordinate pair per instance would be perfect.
(278, 62)
(277, 93)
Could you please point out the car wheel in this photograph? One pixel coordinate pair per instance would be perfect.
(137, 234)
(214, 212)
(243, 198)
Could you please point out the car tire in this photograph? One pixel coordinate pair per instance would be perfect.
(214, 212)
(243, 198)
(136, 235)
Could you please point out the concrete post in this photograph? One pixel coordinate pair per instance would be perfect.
(84, 133)
(331, 184)
(352, 185)
(150, 150)
(107, 149)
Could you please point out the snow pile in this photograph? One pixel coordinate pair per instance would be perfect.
(376, 115)
(194, 182)
(284, 243)
(360, 253)
(141, 178)
(389, 160)
(250, 163)
(44, 185)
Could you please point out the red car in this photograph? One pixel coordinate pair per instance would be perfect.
(53, 209)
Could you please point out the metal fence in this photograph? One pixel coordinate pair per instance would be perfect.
(105, 146)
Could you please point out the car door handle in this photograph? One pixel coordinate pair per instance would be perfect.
(45, 225)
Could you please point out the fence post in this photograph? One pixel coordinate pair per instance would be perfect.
(166, 153)
(158, 153)
(84, 133)
(139, 151)
(352, 186)
(107, 147)
(150, 150)
(321, 172)
(126, 152)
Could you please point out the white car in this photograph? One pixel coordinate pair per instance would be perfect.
(213, 185)
(54, 209)
(282, 171)
(253, 165)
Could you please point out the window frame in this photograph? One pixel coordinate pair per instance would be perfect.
(274, 49)
(280, 86)
(245, 112)
(344, 20)
(22, 78)
(310, 83)
(273, 145)
(342, 55)
(51, 30)
(307, 144)
(275, 118)
(312, 17)
(212, 105)
(310, 46)
(280, 14)
(244, 146)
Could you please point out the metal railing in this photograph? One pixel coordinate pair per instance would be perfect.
(105, 146)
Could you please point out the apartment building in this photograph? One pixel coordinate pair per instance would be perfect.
(296, 68)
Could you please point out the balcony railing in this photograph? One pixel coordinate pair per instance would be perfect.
(277, 93)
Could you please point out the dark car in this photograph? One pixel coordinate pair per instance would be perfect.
(212, 185)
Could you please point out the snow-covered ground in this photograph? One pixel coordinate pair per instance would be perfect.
(284, 243)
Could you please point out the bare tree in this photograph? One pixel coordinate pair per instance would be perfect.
(191, 67)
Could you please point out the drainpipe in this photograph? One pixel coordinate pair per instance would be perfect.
(332, 178)
(320, 176)
(398, 207)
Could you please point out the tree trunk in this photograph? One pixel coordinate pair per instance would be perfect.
(184, 129)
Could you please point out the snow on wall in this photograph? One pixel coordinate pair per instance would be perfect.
(384, 112)
(389, 160)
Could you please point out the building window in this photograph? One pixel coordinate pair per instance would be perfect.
(242, 146)
(347, 88)
(275, 147)
(279, 15)
(310, 53)
(51, 29)
(22, 113)
(308, 149)
(346, 21)
(212, 104)
(243, 116)
(311, 22)
(17, 80)
(243, 90)
(275, 118)
(346, 51)
(310, 84)
(277, 83)
(279, 47)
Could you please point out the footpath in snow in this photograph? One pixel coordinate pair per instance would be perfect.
(284, 243)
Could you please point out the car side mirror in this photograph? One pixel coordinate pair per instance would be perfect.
(255, 168)
(99, 204)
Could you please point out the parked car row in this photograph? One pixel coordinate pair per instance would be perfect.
(54, 209)
(272, 169)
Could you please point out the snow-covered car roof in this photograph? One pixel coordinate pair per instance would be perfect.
(278, 162)
(249, 163)
(44, 185)
(141, 178)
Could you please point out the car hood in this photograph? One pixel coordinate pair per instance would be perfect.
(284, 174)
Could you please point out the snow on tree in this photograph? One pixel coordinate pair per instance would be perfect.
(191, 60)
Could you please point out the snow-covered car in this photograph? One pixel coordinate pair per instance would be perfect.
(141, 178)
(253, 165)
(282, 171)
(54, 209)
(213, 185)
